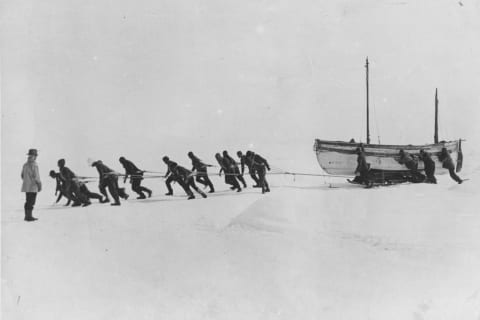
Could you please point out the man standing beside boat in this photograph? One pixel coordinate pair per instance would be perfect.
(429, 166)
(362, 167)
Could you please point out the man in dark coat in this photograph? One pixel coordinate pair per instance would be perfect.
(186, 177)
(429, 165)
(412, 164)
(172, 176)
(72, 186)
(447, 163)
(233, 167)
(108, 178)
(90, 195)
(136, 177)
(408, 161)
(201, 171)
(362, 166)
(60, 189)
(244, 161)
(229, 176)
(260, 165)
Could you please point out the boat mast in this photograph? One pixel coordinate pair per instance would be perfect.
(435, 137)
(368, 110)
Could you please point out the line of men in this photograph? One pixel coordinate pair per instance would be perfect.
(257, 167)
(70, 186)
(411, 163)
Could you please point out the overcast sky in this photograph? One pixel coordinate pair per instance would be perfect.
(101, 78)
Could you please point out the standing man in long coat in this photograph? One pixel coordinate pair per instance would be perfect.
(31, 183)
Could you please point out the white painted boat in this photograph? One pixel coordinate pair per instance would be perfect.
(340, 158)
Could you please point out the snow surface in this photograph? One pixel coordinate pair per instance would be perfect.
(102, 79)
(307, 250)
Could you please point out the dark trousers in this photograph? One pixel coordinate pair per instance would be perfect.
(30, 199)
(254, 177)
(63, 193)
(91, 195)
(430, 173)
(191, 183)
(262, 173)
(171, 178)
(230, 178)
(453, 175)
(136, 186)
(202, 177)
(74, 193)
(112, 183)
(239, 176)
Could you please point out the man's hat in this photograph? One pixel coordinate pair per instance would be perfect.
(32, 152)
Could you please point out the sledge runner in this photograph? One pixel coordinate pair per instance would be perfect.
(260, 165)
(201, 172)
(244, 161)
(447, 163)
(108, 178)
(136, 177)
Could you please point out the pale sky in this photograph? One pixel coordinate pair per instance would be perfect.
(147, 78)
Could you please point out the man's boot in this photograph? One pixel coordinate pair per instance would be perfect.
(28, 215)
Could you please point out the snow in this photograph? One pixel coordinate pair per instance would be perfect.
(98, 80)
(307, 250)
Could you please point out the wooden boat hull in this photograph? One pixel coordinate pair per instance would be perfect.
(338, 157)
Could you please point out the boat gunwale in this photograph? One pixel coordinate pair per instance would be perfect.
(383, 146)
